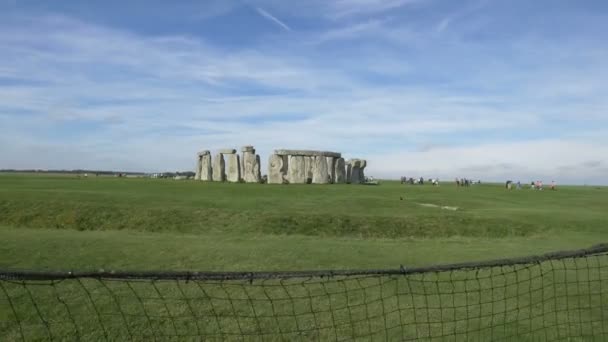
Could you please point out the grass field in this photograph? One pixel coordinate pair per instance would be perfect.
(68, 223)
(165, 224)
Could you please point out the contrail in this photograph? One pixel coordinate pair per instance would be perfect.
(269, 16)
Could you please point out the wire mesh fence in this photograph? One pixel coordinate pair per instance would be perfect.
(557, 296)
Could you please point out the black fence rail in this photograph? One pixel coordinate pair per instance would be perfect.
(555, 296)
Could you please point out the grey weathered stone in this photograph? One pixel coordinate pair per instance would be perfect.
(340, 171)
(276, 169)
(250, 165)
(197, 171)
(349, 171)
(206, 168)
(227, 151)
(307, 153)
(233, 174)
(297, 170)
(331, 169)
(219, 168)
(361, 170)
(199, 160)
(257, 168)
(319, 170)
(308, 165)
(355, 173)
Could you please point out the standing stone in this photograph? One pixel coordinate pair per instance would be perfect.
(245, 150)
(250, 165)
(206, 169)
(219, 168)
(319, 170)
(276, 169)
(257, 168)
(355, 174)
(349, 171)
(355, 177)
(233, 174)
(297, 170)
(340, 171)
(197, 171)
(308, 163)
(361, 170)
(331, 169)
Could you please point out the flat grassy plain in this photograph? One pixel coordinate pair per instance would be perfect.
(166, 224)
(58, 222)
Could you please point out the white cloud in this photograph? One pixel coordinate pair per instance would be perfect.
(566, 161)
(149, 103)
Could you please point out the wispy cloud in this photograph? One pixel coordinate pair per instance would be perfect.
(345, 8)
(77, 94)
(358, 30)
(461, 12)
(563, 160)
(443, 24)
(272, 18)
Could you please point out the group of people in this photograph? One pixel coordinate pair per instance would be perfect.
(538, 185)
(419, 181)
(534, 185)
(466, 182)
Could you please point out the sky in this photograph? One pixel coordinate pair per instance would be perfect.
(489, 90)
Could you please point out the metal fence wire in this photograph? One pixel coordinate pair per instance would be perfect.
(556, 296)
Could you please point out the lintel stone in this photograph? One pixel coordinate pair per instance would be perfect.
(307, 153)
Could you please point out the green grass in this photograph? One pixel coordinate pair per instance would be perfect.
(68, 223)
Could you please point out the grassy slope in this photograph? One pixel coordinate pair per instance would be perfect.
(250, 226)
(68, 223)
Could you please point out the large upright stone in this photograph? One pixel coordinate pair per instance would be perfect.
(349, 171)
(276, 169)
(206, 168)
(355, 174)
(308, 166)
(361, 170)
(340, 171)
(197, 170)
(257, 167)
(250, 165)
(319, 170)
(233, 174)
(297, 170)
(331, 169)
(219, 168)
(245, 150)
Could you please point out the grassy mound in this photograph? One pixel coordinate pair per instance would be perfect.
(390, 210)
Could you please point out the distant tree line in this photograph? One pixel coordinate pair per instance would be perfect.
(102, 172)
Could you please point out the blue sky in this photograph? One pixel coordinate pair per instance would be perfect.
(482, 89)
